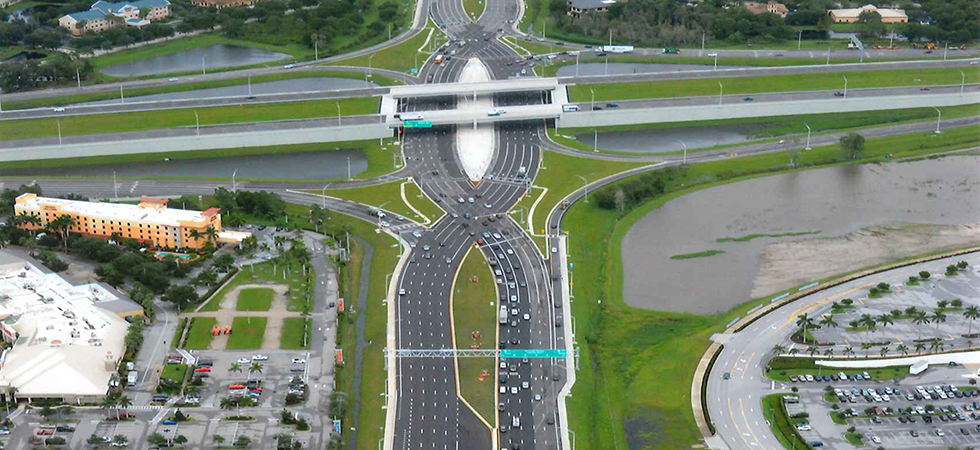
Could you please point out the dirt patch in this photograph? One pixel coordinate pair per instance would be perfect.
(792, 263)
(644, 428)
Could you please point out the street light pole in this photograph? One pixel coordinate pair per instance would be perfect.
(249, 85)
(234, 184)
(122, 99)
(369, 64)
(204, 67)
(845, 86)
(197, 119)
(799, 42)
(323, 196)
(338, 114)
(685, 152)
(59, 131)
(576, 64)
(702, 45)
(78, 77)
(595, 142)
(938, 119)
(946, 50)
(962, 82)
(807, 137)
(828, 56)
(721, 91)
(348, 168)
(586, 187)
(115, 187)
(593, 98)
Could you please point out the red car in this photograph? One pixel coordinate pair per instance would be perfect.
(255, 389)
(924, 89)
(204, 369)
(236, 386)
(44, 432)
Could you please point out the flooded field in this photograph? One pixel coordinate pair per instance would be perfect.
(299, 166)
(857, 214)
(211, 56)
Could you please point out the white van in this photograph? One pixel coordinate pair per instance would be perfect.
(569, 108)
(494, 112)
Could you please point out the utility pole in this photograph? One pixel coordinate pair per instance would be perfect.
(593, 98)
(586, 187)
(807, 137)
(799, 42)
(249, 85)
(369, 64)
(828, 56)
(595, 143)
(338, 114)
(576, 64)
(962, 82)
(348, 168)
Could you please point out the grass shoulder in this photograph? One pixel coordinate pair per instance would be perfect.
(403, 57)
(420, 201)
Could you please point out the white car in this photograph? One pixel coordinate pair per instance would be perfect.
(876, 439)
(537, 397)
(513, 390)
(59, 109)
(299, 361)
(244, 360)
(526, 385)
(503, 389)
(554, 249)
(260, 358)
(173, 80)
(527, 316)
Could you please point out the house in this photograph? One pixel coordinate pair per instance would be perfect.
(850, 15)
(218, 4)
(578, 7)
(104, 15)
(772, 7)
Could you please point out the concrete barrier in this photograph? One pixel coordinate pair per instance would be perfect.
(630, 116)
(205, 142)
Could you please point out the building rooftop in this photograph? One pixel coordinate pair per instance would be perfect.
(855, 12)
(124, 212)
(592, 4)
(66, 344)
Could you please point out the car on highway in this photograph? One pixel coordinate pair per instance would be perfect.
(172, 80)
(168, 422)
(244, 360)
(487, 205)
(749, 99)
(923, 88)
(59, 109)
(838, 94)
(514, 390)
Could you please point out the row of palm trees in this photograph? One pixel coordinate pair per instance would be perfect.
(934, 346)
(117, 401)
(872, 324)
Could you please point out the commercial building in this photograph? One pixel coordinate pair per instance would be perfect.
(65, 343)
(772, 7)
(578, 7)
(149, 222)
(850, 15)
(104, 15)
(219, 4)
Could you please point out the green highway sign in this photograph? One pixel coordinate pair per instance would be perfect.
(418, 124)
(414, 70)
(533, 353)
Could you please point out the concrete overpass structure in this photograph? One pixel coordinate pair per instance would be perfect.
(479, 88)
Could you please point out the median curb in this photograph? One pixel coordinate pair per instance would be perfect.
(702, 372)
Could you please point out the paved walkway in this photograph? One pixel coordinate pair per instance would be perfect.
(276, 315)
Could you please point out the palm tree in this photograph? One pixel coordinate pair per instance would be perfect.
(942, 304)
(903, 348)
(829, 352)
(848, 350)
(122, 402)
(235, 368)
(794, 351)
(939, 318)
(867, 346)
(972, 313)
(778, 349)
(210, 233)
(868, 322)
(885, 320)
(108, 402)
(254, 368)
(812, 350)
(884, 351)
(24, 218)
(828, 321)
(920, 318)
(911, 311)
(919, 347)
(227, 403)
(804, 321)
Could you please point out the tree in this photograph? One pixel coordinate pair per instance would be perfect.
(828, 321)
(181, 296)
(218, 439)
(94, 440)
(144, 12)
(871, 24)
(919, 347)
(829, 352)
(812, 350)
(254, 368)
(108, 402)
(804, 321)
(180, 439)
(972, 313)
(120, 439)
(778, 349)
(956, 303)
(848, 351)
(852, 144)
(920, 318)
(122, 402)
(938, 317)
(158, 439)
(942, 304)
(884, 351)
(243, 441)
(924, 275)
(903, 348)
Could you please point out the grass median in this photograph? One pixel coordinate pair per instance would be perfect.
(421, 202)
(409, 54)
(247, 333)
(296, 333)
(378, 157)
(475, 327)
(773, 83)
(383, 196)
(199, 334)
(131, 94)
(185, 118)
(758, 129)
(784, 367)
(474, 8)
(174, 372)
(639, 356)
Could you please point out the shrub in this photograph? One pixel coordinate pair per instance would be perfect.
(924, 275)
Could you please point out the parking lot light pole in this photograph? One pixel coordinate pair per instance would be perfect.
(807, 137)
(593, 98)
(799, 42)
(323, 196)
(595, 141)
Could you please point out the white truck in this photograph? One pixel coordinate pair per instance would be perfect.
(494, 112)
(132, 378)
(503, 315)
(617, 48)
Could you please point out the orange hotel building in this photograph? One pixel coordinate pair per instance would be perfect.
(150, 222)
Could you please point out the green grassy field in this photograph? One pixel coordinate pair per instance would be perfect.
(179, 332)
(263, 274)
(475, 313)
(199, 335)
(771, 127)
(380, 80)
(402, 57)
(378, 157)
(174, 372)
(254, 299)
(474, 8)
(152, 120)
(422, 203)
(294, 52)
(780, 423)
(774, 83)
(783, 367)
(247, 333)
(293, 331)
(641, 356)
(385, 196)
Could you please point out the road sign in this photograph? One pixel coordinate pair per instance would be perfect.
(533, 353)
(414, 70)
(418, 124)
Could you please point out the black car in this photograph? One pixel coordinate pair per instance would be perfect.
(65, 429)
(749, 99)
(612, 105)
(429, 80)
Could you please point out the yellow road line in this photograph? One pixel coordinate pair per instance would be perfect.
(746, 369)
(792, 317)
(737, 429)
(735, 363)
(750, 426)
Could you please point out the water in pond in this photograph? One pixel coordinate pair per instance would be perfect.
(626, 68)
(271, 87)
(299, 166)
(669, 139)
(834, 201)
(24, 56)
(213, 56)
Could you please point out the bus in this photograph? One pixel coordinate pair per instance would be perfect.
(438, 59)
(408, 116)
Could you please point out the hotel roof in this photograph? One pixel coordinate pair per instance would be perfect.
(123, 212)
